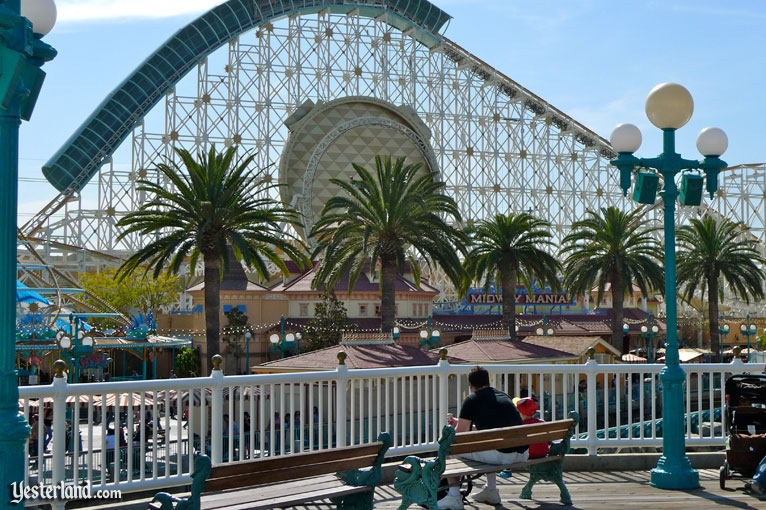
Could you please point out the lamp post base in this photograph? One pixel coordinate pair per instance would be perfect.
(674, 473)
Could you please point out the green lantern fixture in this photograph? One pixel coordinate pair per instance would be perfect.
(645, 191)
(691, 189)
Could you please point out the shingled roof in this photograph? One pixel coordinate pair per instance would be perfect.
(496, 351)
(358, 357)
(573, 345)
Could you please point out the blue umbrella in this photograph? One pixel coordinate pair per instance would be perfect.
(25, 295)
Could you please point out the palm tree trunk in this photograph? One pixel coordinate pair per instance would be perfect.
(618, 310)
(212, 304)
(388, 272)
(715, 340)
(509, 302)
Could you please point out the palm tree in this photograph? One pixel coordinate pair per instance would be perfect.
(714, 254)
(217, 206)
(612, 247)
(391, 216)
(508, 249)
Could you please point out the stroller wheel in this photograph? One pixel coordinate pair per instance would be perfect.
(722, 474)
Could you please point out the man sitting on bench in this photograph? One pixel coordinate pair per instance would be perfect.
(485, 408)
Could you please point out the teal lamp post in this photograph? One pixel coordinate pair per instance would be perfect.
(285, 342)
(649, 333)
(22, 54)
(248, 337)
(748, 330)
(723, 331)
(545, 330)
(81, 346)
(669, 107)
(429, 337)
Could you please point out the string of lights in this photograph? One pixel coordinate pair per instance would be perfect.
(37, 330)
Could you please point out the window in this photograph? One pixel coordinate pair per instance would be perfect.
(304, 309)
(415, 309)
(363, 310)
(396, 310)
(602, 357)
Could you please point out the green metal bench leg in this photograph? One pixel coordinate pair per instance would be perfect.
(551, 472)
(165, 501)
(359, 477)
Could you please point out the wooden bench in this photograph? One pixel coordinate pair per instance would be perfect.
(417, 480)
(346, 475)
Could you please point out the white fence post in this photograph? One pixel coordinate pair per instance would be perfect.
(443, 389)
(216, 419)
(591, 368)
(59, 426)
(340, 404)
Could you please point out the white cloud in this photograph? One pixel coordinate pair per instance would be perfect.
(91, 10)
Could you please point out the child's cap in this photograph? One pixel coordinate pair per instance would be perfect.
(526, 405)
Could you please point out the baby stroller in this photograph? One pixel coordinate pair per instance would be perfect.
(745, 411)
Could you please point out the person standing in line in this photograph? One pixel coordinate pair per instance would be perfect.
(485, 408)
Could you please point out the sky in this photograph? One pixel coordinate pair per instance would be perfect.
(595, 60)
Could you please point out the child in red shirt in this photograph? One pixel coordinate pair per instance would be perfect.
(527, 409)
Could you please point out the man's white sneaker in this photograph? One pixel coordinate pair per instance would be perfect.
(450, 503)
(489, 496)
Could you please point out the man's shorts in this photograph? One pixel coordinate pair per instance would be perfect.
(496, 457)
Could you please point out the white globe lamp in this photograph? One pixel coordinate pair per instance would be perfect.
(274, 339)
(644, 329)
(669, 106)
(289, 337)
(41, 13)
(539, 331)
(626, 138)
(712, 142)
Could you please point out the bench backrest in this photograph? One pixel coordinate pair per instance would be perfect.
(510, 437)
(291, 467)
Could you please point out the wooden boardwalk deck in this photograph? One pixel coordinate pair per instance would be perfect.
(623, 490)
(599, 490)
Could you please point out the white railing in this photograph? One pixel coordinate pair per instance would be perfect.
(159, 423)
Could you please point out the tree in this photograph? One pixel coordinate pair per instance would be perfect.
(713, 255)
(393, 217)
(188, 362)
(234, 332)
(509, 249)
(203, 208)
(327, 326)
(144, 294)
(612, 247)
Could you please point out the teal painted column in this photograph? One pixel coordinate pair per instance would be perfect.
(673, 470)
(12, 423)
